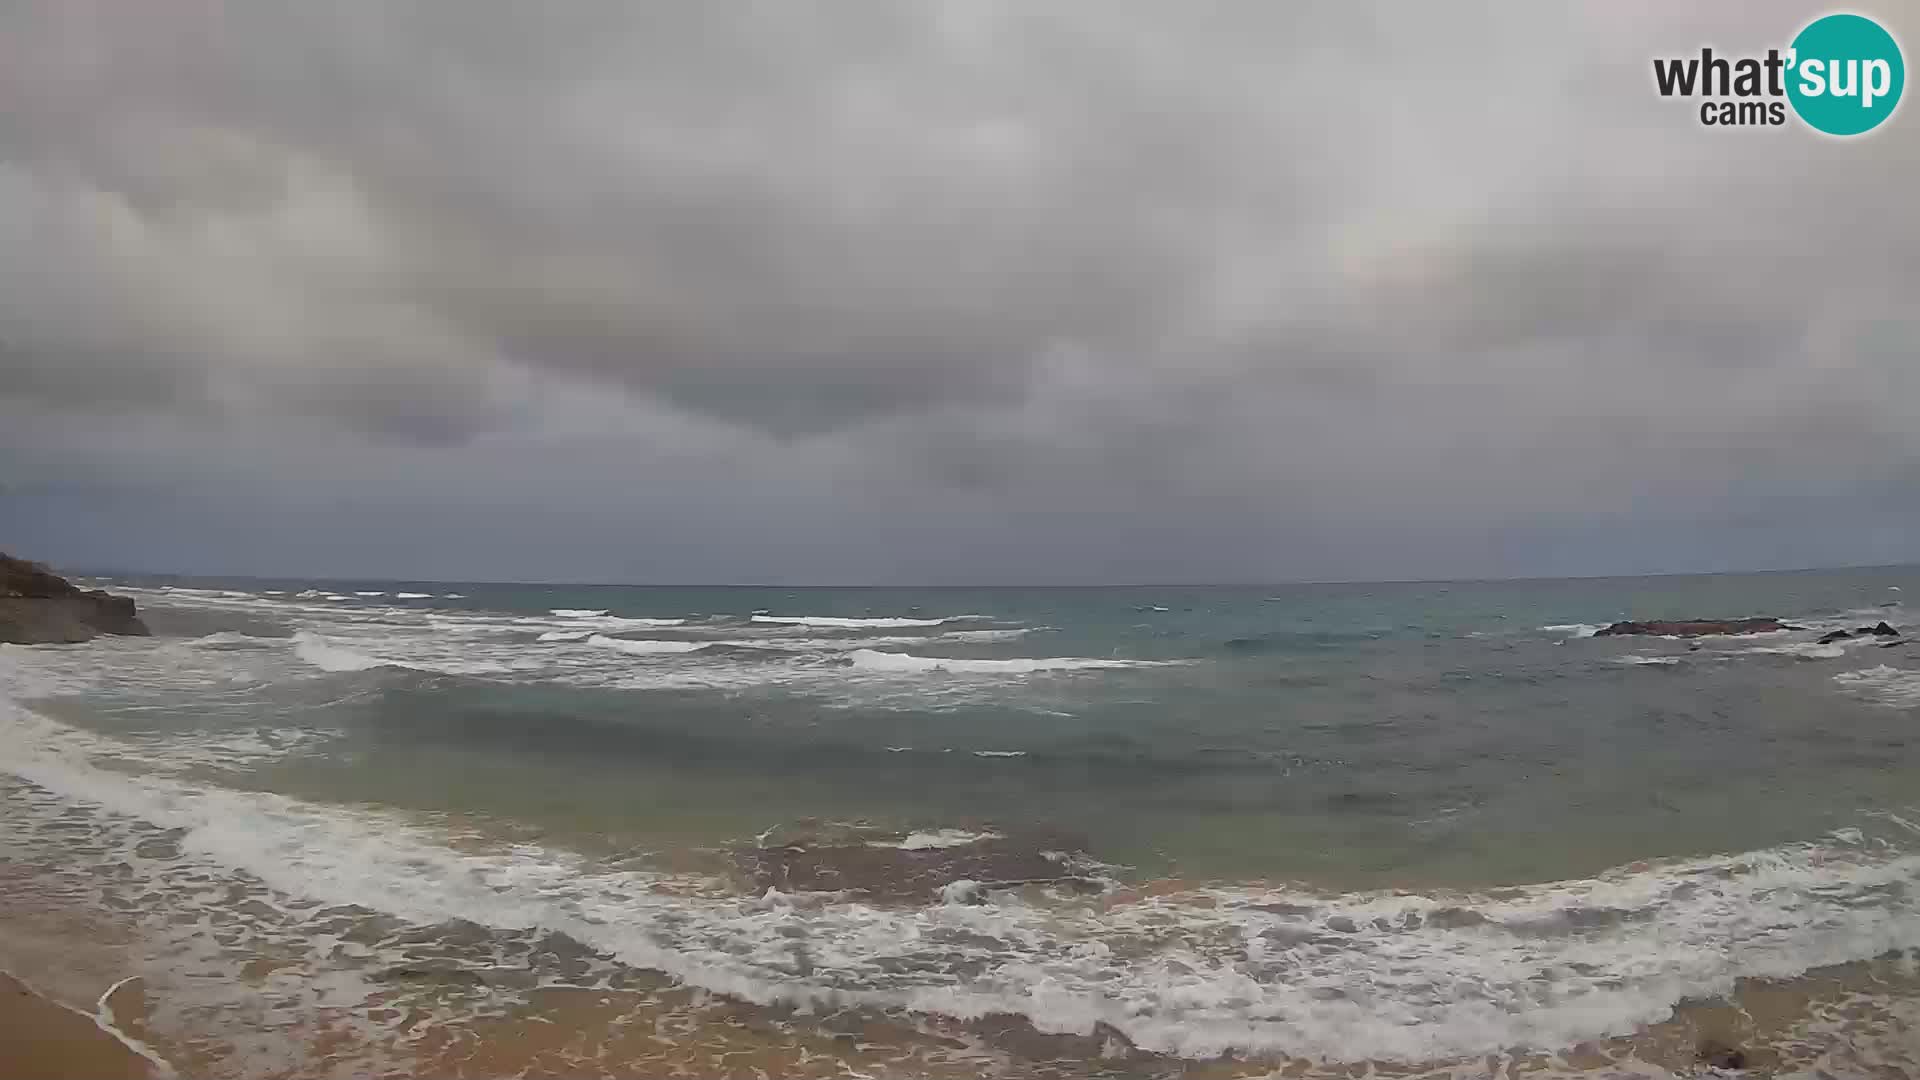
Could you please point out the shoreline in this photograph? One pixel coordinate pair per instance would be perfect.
(358, 928)
(42, 1037)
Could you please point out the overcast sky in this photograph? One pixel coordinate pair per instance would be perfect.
(940, 292)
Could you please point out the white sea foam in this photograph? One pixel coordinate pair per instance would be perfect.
(935, 839)
(1576, 630)
(565, 635)
(317, 651)
(576, 613)
(1395, 976)
(1883, 685)
(875, 660)
(374, 593)
(599, 621)
(837, 644)
(984, 635)
(412, 595)
(1650, 661)
(644, 648)
(328, 656)
(227, 750)
(832, 620)
(1803, 650)
(231, 639)
(999, 753)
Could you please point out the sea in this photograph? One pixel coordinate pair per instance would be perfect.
(415, 828)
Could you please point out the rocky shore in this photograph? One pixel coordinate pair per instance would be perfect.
(39, 607)
(1695, 627)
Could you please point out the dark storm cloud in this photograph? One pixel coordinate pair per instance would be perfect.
(1253, 284)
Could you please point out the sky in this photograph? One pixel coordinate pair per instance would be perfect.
(1075, 292)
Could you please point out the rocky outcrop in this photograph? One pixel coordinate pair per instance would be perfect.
(1696, 627)
(39, 607)
(1880, 629)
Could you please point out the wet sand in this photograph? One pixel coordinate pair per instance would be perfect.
(1856, 1020)
(222, 979)
(42, 1040)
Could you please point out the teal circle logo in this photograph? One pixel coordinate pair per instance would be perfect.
(1846, 74)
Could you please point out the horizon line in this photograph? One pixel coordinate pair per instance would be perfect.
(1278, 584)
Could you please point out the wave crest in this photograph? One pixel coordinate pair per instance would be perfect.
(875, 660)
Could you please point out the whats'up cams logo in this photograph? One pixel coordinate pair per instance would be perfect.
(1842, 75)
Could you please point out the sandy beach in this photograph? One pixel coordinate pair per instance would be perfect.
(44, 1040)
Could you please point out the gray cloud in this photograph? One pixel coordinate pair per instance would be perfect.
(1090, 289)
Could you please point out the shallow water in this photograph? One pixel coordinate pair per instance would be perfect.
(1013, 831)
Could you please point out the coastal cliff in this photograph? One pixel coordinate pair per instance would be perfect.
(39, 607)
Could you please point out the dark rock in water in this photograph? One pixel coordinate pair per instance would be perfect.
(831, 859)
(1721, 1056)
(1837, 635)
(39, 607)
(1881, 629)
(1695, 627)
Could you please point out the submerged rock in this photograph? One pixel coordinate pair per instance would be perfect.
(39, 607)
(960, 868)
(1837, 635)
(1719, 1055)
(1695, 627)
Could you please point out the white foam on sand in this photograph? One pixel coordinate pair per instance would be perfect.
(936, 839)
(1399, 976)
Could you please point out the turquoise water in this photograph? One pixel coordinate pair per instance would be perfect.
(1367, 758)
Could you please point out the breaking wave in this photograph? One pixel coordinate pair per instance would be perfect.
(1193, 972)
(875, 660)
(833, 620)
(646, 648)
(1883, 685)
